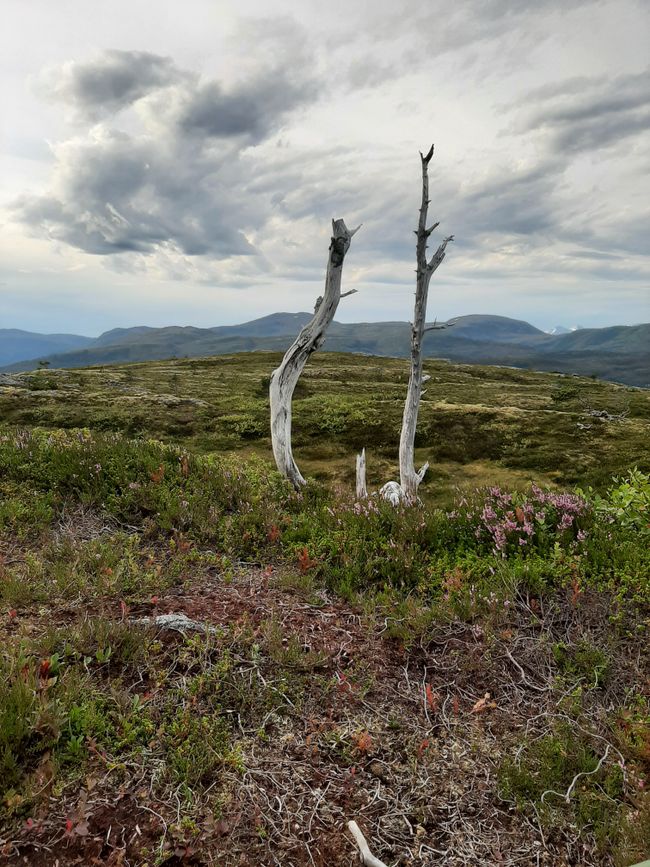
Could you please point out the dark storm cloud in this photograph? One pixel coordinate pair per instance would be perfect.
(108, 83)
(589, 114)
(253, 108)
(179, 184)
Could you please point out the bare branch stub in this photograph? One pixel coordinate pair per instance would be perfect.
(362, 490)
(439, 326)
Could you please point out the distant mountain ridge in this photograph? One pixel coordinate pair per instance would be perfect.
(16, 345)
(620, 353)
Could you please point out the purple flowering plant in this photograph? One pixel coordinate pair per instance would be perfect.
(511, 522)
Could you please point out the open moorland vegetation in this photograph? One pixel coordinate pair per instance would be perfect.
(199, 665)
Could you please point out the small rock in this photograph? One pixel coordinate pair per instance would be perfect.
(379, 770)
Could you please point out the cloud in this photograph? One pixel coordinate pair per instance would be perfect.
(176, 184)
(109, 83)
(253, 108)
(589, 114)
(117, 193)
(232, 180)
(492, 36)
(512, 202)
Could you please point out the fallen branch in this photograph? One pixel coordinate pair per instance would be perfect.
(365, 855)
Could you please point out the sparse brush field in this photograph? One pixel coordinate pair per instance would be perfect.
(468, 679)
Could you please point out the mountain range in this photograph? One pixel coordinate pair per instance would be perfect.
(620, 353)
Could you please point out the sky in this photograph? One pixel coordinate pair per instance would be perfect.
(168, 162)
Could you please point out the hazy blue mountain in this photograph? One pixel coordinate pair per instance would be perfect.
(16, 345)
(121, 335)
(268, 326)
(500, 329)
(617, 338)
(620, 353)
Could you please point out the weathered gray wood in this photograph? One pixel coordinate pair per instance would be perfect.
(285, 377)
(365, 855)
(392, 492)
(362, 491)
(410, 478)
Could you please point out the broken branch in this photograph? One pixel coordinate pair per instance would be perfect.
(365, 855)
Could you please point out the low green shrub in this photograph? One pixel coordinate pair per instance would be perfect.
(245, 510)
(626, 502)
(562, 772)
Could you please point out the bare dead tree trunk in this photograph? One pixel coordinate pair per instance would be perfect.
(410, 478)
(285, 377)
(362, 490)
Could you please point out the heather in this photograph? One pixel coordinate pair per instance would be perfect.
(475, 664)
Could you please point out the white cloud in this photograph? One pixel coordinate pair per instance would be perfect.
(212, 151)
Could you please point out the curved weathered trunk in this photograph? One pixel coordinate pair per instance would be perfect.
(410, 478)
(285, 377)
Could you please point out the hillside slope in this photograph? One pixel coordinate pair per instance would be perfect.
(513, 422)
(16, 344)
(619, 353)
(202, 666)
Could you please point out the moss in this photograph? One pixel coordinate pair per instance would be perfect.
(513, 420)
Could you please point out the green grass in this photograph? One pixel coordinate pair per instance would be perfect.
(518, 424)
(113, 495)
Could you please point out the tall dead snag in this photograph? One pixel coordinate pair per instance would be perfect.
(410, 478)
(285, 377)
(362, 490)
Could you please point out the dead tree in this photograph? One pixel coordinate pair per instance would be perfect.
(410, 478)
(286, 376)
(362, 491)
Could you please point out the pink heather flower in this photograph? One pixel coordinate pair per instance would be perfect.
(488, 514)
(499, 538)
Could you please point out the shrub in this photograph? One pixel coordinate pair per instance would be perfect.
(627, 502)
